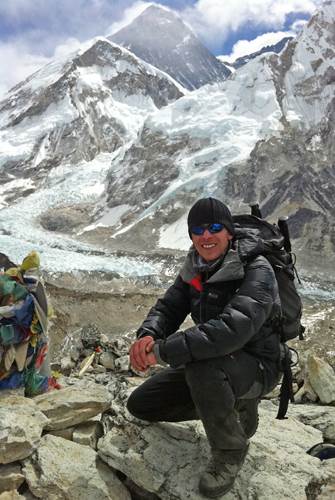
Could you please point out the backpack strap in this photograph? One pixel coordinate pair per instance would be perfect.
(286, 390)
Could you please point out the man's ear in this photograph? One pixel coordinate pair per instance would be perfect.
(229, 235)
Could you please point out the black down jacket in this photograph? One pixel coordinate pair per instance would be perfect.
(234, 308)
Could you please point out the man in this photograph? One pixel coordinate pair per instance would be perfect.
(220, 367)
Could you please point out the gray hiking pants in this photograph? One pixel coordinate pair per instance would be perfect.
(223, 392)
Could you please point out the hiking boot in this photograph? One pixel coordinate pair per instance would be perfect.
(248, 415)
(221, 472)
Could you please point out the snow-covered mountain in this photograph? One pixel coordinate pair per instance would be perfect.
(71, 110)
(160, 37)
(240, 61)
(59, 130)
(75, 183)
(266, 134)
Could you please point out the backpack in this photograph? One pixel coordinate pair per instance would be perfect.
(277, 249)
(23, 329)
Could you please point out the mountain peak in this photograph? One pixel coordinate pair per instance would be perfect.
(160, 37)
(160, 10)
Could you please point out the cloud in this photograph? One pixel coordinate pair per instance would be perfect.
(297, 26)
(61, 19)
(215, 19)
(67, 47)
(244, 47)
(128, 16)
(19, 64)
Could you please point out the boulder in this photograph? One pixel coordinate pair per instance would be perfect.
(73, 405)
(63, 433)
(166, 458)
(320, 490)
(320, 417)
(107, 359)
(88, 433)
(62, 469)
(10, 495)
(21, 426)
(11, 477)
(305, 393)
(322, 379)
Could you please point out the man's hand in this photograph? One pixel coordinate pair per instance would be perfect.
(141, 355)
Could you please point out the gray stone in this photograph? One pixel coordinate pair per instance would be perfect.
(73, 405)
(122, 364)
(323, 489)
(63, 433)
(61, 469)
(99, 369)
(11, 477)
(322, 379)
(10, 495)
(320, 417)
(120, 346)
(88, 434)
(107, 359)
(67, 364)
(21, 426)
(305, 392)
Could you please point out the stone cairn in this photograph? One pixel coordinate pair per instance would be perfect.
(81, 443)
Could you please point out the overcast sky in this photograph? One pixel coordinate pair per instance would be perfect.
(32, 32)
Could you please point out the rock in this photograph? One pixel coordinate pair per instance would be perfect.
(305, 393)
(107, 359)
(323, 489)
(320, 417)
(65, 219)
(122, 364)
(73, 405)
(99, 369)
(90, 336)
(67, 364)
(11, 477)
(10, 495)
(21, 426)
(120, 346)
(322, 379)
(88, 434)
(102, 378)
(60, 469)
(64, 433)
(166, 458)
(19, 391)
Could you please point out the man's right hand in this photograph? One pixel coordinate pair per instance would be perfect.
(141, 355)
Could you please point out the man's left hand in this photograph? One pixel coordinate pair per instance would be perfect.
(141, 354)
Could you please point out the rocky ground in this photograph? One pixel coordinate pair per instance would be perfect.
(81, 443)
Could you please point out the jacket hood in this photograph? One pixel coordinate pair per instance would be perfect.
(246, 245)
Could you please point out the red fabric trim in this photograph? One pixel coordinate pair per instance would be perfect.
(196, 283)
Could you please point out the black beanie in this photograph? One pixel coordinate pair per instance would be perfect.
(208, 211)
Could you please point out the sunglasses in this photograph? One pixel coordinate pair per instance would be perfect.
(216, 227)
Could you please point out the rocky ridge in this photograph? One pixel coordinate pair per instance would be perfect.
(240, 61)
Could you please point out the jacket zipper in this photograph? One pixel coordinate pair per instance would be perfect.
(204, 279)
